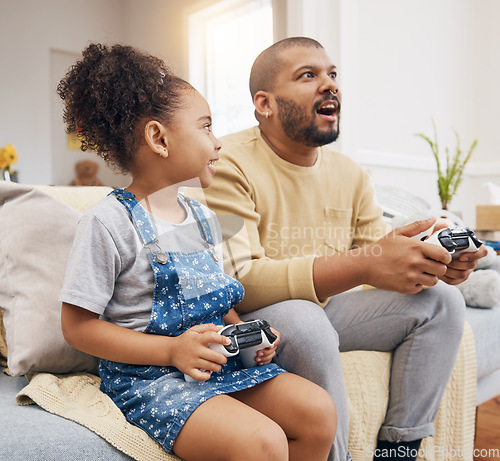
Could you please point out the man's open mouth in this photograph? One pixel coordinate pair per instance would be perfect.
(328, 108)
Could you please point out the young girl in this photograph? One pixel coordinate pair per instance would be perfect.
(144, 289)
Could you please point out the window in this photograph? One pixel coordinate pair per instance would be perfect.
(224, 40)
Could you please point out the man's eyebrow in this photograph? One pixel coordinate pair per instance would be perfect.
(311, 67)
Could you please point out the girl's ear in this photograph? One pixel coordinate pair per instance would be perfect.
(262, 104)
(156, 137)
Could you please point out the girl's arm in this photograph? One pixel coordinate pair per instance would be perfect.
(188, 352)
(232, 318)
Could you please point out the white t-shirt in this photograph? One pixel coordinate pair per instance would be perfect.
(108, 270)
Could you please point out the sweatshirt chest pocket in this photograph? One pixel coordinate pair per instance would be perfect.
(339, 232)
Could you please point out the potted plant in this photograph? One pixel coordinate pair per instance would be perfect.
(451, 177)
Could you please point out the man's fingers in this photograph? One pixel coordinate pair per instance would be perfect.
(415, 228)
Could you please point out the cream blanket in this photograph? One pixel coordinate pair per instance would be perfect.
(77, 397)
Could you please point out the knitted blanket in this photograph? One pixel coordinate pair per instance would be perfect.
(77, 397)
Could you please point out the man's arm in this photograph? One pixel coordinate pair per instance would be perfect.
(266, 280)
(396, 262)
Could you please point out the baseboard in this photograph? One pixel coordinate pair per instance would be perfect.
(389, 160)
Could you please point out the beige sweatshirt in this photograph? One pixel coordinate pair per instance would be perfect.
(292, 214)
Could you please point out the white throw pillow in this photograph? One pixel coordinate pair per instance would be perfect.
(36, 235)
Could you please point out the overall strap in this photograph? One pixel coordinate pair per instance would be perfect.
(201, 219)
(203, 225)
(142, 224)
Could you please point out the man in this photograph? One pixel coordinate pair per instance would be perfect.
(313, 231)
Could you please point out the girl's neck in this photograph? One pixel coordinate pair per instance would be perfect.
(162, 202)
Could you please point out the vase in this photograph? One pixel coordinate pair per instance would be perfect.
(5, 175)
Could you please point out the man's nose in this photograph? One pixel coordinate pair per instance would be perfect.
(329, 85)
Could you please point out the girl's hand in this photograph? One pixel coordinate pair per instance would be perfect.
(191, 354)
(264, 356)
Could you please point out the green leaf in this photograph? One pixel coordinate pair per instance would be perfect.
(448, 181)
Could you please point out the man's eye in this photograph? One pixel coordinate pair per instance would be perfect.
(333, 75)
(307, 74)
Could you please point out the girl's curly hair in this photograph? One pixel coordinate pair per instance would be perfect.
(110, 92)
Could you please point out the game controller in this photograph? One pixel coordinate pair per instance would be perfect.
(252, 337)
(457, 240)
(247, 339)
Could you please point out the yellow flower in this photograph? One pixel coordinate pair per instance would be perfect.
(8, 156)
(4, 163)
(11, 153)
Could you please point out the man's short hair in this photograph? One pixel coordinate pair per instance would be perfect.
(267, 65)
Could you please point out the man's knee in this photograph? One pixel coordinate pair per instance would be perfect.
(309, 344)
(447, 309)
(303, 326)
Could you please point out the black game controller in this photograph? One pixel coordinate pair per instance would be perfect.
(457, 240)
(246, 339)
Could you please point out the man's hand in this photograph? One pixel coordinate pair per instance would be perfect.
(396, 262)
(399, 263)
(460, 269)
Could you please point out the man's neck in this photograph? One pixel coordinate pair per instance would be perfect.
(292, 152)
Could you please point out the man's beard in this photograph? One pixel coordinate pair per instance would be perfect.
(292, 118)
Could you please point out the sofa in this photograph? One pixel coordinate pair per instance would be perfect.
(50, 404)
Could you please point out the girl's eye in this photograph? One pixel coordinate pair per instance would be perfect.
(208, 127)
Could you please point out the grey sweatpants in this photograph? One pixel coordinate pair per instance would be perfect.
(424, 330)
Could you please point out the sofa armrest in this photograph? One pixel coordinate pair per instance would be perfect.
(366, 375)
(454, 424)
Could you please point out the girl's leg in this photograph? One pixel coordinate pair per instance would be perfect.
(305, 412)
(223, 428)
(309, 348)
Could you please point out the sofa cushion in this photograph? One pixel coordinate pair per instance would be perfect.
(485, 324)
(3, 344)
(36, 234)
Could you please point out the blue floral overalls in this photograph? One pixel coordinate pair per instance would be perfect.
(189, 289)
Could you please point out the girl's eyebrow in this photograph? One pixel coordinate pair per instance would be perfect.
(205, 118)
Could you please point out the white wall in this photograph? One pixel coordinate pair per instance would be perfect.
(160, 27)
(401, 63)
(29, 30)
(406, 62)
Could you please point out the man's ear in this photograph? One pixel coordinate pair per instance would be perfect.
(261, 101)
(155, 135)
